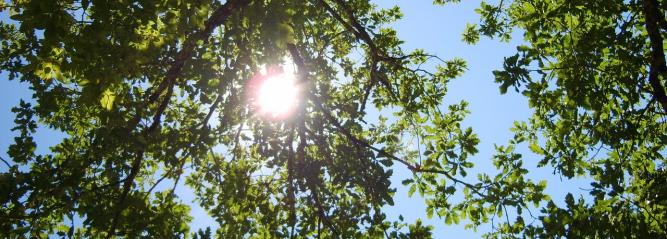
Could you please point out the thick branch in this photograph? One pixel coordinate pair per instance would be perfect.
(217, 19)
(127, 185)
(321, 214)
(291, 198)
(657, 68)
(303, 75)
(361, 34)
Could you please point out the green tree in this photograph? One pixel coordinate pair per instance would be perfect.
(155, 92)
(594, 72)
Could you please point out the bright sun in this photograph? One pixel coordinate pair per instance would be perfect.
(277, 94)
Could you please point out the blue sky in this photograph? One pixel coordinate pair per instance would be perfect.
(437, 29)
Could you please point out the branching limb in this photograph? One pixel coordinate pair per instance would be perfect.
(127, 185)
(217, 19)
(383, 153)
(303, 74)
(414, 168)
(361, 34)
(321, 213)
(202, 125)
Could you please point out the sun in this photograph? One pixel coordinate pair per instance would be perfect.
(276, 93)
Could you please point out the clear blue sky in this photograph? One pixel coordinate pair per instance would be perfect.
(438, 30)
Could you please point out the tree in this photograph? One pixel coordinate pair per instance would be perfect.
(151, 94)
(594, 72)
(145, 90)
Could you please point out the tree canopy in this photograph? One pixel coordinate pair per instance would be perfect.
(153, 94)
(594, 72)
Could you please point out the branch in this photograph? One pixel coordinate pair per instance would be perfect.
(361, 34)
(127, 185)
(383, 153)
(298, 60)
(365, 38)
(217, 19)
(320, 212)
(415, 169)
(300, 150)
(657, 67)
(136, 164)
(202, 125)
(291, 199)
(211, 110)
(5, 161)
(303, 74)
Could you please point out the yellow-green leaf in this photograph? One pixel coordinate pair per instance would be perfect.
(107, 99)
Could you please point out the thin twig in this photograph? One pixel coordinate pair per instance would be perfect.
(5, 161)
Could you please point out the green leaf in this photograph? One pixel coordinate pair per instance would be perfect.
(536, 148)
(107, 99)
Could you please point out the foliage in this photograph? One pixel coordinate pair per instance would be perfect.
(154, 94)
(594, 72)
(151, 94)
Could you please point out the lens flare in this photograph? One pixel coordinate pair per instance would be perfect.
(277, 95)
(274, 91)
